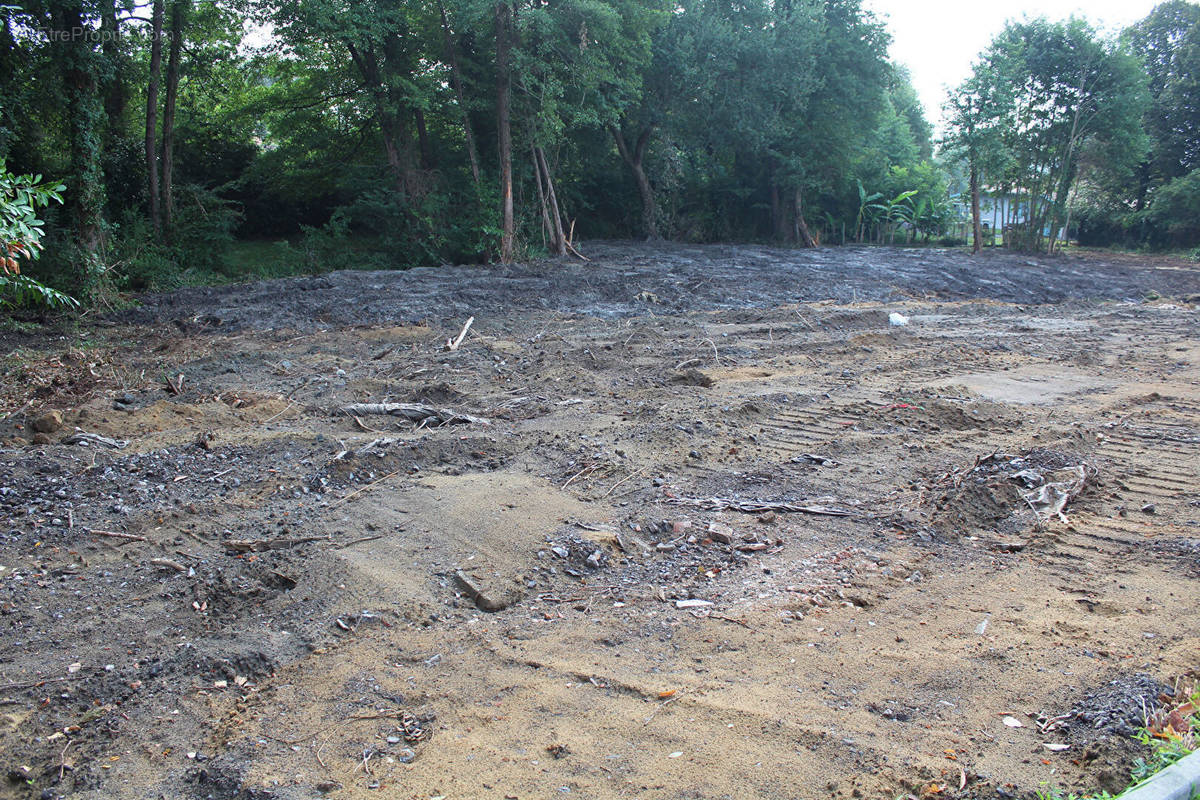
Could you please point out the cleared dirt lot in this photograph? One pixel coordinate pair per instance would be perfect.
(861, 515)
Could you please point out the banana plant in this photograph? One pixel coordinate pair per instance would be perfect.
(865, 202)
(895, 212)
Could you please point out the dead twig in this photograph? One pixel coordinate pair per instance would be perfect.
(358, 541)
(659, 708)
(263, 545)
(573, 478)
(286, 409)
(362, 489)
(453, 344)
(132, 537)
(613, 488)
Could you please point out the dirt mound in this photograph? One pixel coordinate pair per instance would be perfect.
(1120, 706)
(1003, 493)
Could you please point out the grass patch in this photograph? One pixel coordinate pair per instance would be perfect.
(1170, 734)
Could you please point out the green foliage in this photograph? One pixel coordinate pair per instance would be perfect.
(364, 133)
(1173, 216)
(1163, 755)
(1047, 101)
(21, 233)
(196, 251)
(1168, 44)
(1055, 793)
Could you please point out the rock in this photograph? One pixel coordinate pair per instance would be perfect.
(692, 377)
(49, 422)
(406, 755)
(1149, 508)
(767, 518)
(42, 438)
(692, 603)
(485, 600)
(720, 533)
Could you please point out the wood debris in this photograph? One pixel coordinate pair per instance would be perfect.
(89, 439)
(757, 506)
(415, 412)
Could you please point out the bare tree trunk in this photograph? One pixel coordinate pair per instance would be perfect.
(547, 229)
(368, 65)
(976, 225)
(777, 227)
(635, 160)
(802, 234)
(156, 25)
(456, 81)
(427, 158)
(504, 129)
(179, 15)
(558, 238)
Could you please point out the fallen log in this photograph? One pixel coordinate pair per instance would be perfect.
(757, 506)
(86, 439)
(416, 412)
(263, 545)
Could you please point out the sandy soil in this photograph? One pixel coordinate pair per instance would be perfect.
(258, 596)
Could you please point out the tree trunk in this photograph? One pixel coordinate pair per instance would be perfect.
(456, 81)
(635, 160)
(428, 162)
(368, 66)
(85, 188)
(558, 239)
(779, 207)
(179, 15)
(504, 129)
(802, 234)
(777, 227)
(156, 25)
(976, 225)
(116, 97)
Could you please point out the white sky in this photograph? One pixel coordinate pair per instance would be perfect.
(939, 39)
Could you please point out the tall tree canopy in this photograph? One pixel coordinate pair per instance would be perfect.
(388, 133)
(1044, 94)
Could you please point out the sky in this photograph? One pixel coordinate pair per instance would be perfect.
(939, 39)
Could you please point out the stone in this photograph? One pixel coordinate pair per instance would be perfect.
(719, 532)
(485, 600)
(49, 422)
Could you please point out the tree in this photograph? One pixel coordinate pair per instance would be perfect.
(151, 142)
(1168, 44)
(1048, 91)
